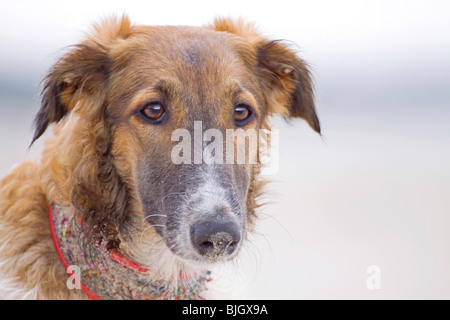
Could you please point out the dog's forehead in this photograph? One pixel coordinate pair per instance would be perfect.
(190, 51)
(190, 42)
(196, 48)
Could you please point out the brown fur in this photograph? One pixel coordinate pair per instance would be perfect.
(90, 161)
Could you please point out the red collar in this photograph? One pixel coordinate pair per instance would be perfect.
(63, 258)
(132, 269)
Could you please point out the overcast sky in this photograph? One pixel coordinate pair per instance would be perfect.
(333, 35)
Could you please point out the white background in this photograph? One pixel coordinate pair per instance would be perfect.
(374, 191)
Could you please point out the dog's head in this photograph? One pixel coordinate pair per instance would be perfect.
(146, 117)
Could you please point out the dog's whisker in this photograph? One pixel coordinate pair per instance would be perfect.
(172, 194)
(146, 219)
(156, 225)
(156, 215)
(147, 228)
(254, 256)
(153, 215)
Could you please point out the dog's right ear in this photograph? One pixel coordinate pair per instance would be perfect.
(82, 72)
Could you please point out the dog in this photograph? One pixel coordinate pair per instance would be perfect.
(106, 212)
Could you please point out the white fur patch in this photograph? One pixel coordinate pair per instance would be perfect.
(12, 289)
(227, 284)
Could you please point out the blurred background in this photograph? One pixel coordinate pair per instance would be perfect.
(375, 190)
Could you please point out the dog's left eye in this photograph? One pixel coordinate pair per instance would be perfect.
(154, 112)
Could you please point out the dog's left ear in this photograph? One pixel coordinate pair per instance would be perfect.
(285, 77)
(287, 82)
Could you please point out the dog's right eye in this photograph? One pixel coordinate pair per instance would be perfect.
(153, 112)
(243, 114)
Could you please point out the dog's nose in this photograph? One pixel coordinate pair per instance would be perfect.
(215, 239)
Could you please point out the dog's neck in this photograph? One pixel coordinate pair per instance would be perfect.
(105, 274)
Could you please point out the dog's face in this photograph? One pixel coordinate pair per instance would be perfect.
(157, 100)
